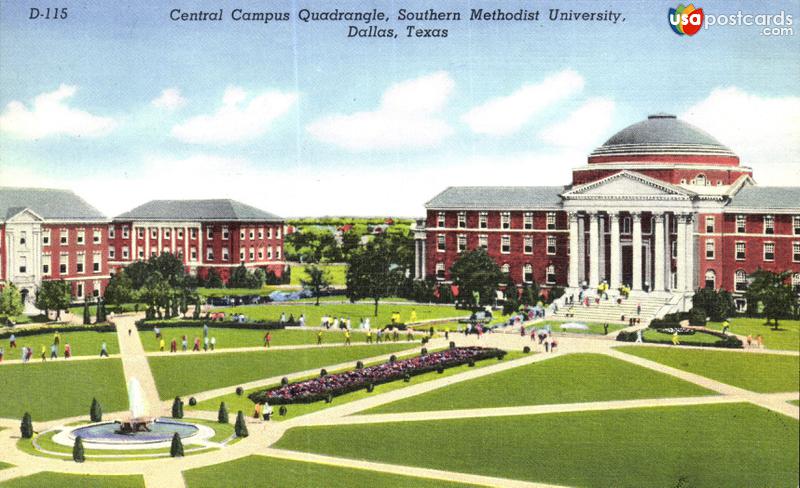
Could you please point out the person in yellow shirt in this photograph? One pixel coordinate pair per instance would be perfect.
(319, 338)
(675, 340)
(369, 336)
(347, 337)
(161, 345)
(413, 317)
(725, 326)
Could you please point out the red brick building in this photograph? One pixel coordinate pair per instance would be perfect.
(206, 234)
(662, 206)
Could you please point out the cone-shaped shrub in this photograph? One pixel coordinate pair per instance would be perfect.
(177, 408)
(526, 350)
(284, 381)
(406, 377)
(192, 401)
(241, 427)
(239, 390)
(77, 451)
(26, 427)
(222, 415)
(452, 345)
(424, 351)
(323, 372)
(95, 411)
(176, 449)
(392, 359)
(359, 365)
(87, 317)
(282, 411)
(370, 387)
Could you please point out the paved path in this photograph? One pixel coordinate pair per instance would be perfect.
(134, 361)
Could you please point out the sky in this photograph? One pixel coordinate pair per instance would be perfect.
(123, 105)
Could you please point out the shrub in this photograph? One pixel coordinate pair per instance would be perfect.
(406, 378)
(526, 349)
(452, 345)
(425, 340)
(282, 411)
(177, 408)
(241, 427)
(95, 411)
(328, 398)
(323, 372)
(440, 370)
(77, 450)
(284, 381)
(26, 427)
(626, 336)
(192, 401)
(392, 359)
(697, 316)
(471, 363)
(370, 387)
(222, 414)
(424, 351)
(360, 365)
(176, 449)
(239, 390)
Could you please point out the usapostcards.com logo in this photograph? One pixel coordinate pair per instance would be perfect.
(686, 20)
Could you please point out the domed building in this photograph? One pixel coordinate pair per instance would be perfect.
(662, 207)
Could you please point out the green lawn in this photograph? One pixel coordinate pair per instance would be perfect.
(796, 403)
(698, 338)
(235, 402)
(62, 480)
(187, 374)
(82, 343)
(764, 373)
(594, 327)
(572, 378)
(231, 338)
(5, 465)
(702, 446)
(786, 337)
(257, 471)
(336, 273)
(354, 311)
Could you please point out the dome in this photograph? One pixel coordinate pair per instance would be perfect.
(661, 134)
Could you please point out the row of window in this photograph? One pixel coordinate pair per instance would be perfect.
(741, 251)
(63, 263)
(505, 243)
(768, 224)
(505, 220)
(167, 233)
(740, 280)
(527, 272)
(209, 253)
(80, 237)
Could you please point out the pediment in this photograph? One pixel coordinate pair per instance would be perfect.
(627, 185)
(22, 215)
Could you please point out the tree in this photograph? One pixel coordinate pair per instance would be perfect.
(96, 411)
(213, 280)
(87, 316)
(176, 449)
(773, 293)
(26, 426)
(372, 272)
(350, 242)
(241, 427)
(318, 280)
(11, 301)
(119, 289)
(242, 278)
(77, 450)
(101, 311)
(476, 272)
(717, 305)
(222, 414)
(177, 408)
(53, 295)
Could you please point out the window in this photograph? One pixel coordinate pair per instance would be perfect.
(710, 225)
(252, 234)
(45, 264)
(796, 282)
(505, 268)
(80, 264)
(505, 220)
(462, 220)
(81, 237)
(740, 224)
(483, 220)
(269, 252)
(626, 225)
(23, 264)
(711, 279)
(153, 233)
(126, 232)
(166, 233)
(277, 253)
(139, 233)
(719, 182)
(551, 220)
(462, 243)
(483, 241)
(141, 253)
(193, 233)
(225, 233)
(740, 280)
(277, 232)
(439, 271)
(209, 254)
(528, 246)
(252, 254)
(63, 263)
(96, 262)
(269, 233)
(440, 222)
(769, 251)
(550, 277)
(440, 243)
(79, 290)
(226, 254)
(193, 254)
(683, 181)
(527, 220)
(709, 249)
(95, 289)
(796, 224)
(260, 232)
(505, 244)
(241, 234)
(125, 253)
(111, 232)
(796, 252)
(112, 253)
(180, 233)
(527, 273)
(674, 249)
(769, 224)
(96, 236)
(64, 236)
(701, 180)
(551, 245)
(23, 238)
(260, 253)
(740, 251)
(241, 254)
(209, 233)
(46, 237)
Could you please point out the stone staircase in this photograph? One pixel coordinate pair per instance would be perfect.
(652, 305)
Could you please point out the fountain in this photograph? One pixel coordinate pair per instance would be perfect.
(138, 421)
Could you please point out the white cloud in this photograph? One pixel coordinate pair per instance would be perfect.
(236, 120)
(50, 116)
(582, 128)
(763, 131)
(506, 115)
(408, 117)
(170, 99)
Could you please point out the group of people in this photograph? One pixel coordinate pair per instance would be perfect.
(207, 343)
(337, 384)
(45, 352)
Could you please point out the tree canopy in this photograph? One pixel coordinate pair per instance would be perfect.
(477, 275)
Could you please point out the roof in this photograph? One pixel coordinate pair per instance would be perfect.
(498, 197)
(203, 210)
(47, 203)
(662, 134)
(767, 197)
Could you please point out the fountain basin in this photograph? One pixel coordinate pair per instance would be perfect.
(107, 435)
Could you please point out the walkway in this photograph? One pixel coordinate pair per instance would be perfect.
(134, 361)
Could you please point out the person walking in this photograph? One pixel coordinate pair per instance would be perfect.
(205, 329)
(213, 343)
(346, 337)
(268, 339)
(319, 338)
(53, 351)
(205, 343)
(638, 309)
(173, 345)
(161, 344)
(44, 353)
(56, 338)
(2, 352)
(369, 336)
(12, 342)
(184, 343)
(725, 326)
(196, 347)
(67, 351)
(675, 340)
(103, 350)
(302, 320)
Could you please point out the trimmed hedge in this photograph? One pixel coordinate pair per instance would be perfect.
(726, 341)
(164, 324)
(52, 328)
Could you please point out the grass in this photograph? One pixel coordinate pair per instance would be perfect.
(763, 373)
(188, 374)
(796, 403)
(83, 343)
(698, 338)
(701, 446)
(266, 471)
(63, 480)
(594, 327)
(61, 389)
(235, 402)
(787, 337)
(571, 378)
(5, 465)
(336, 273)
(354, 311)
(233, 338)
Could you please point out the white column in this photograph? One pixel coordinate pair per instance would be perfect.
(636, 242)
(146, 243)
(594, 249)
(574, 282)
(185, 245)
(667, 265)
(424, 257)
(581, 249)
(681, 264)
(601, 256)
(690, 249)
(616, 252)
(160, 232)
(658, 280)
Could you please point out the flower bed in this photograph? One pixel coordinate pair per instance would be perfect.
(679, 330)
(338, 384)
